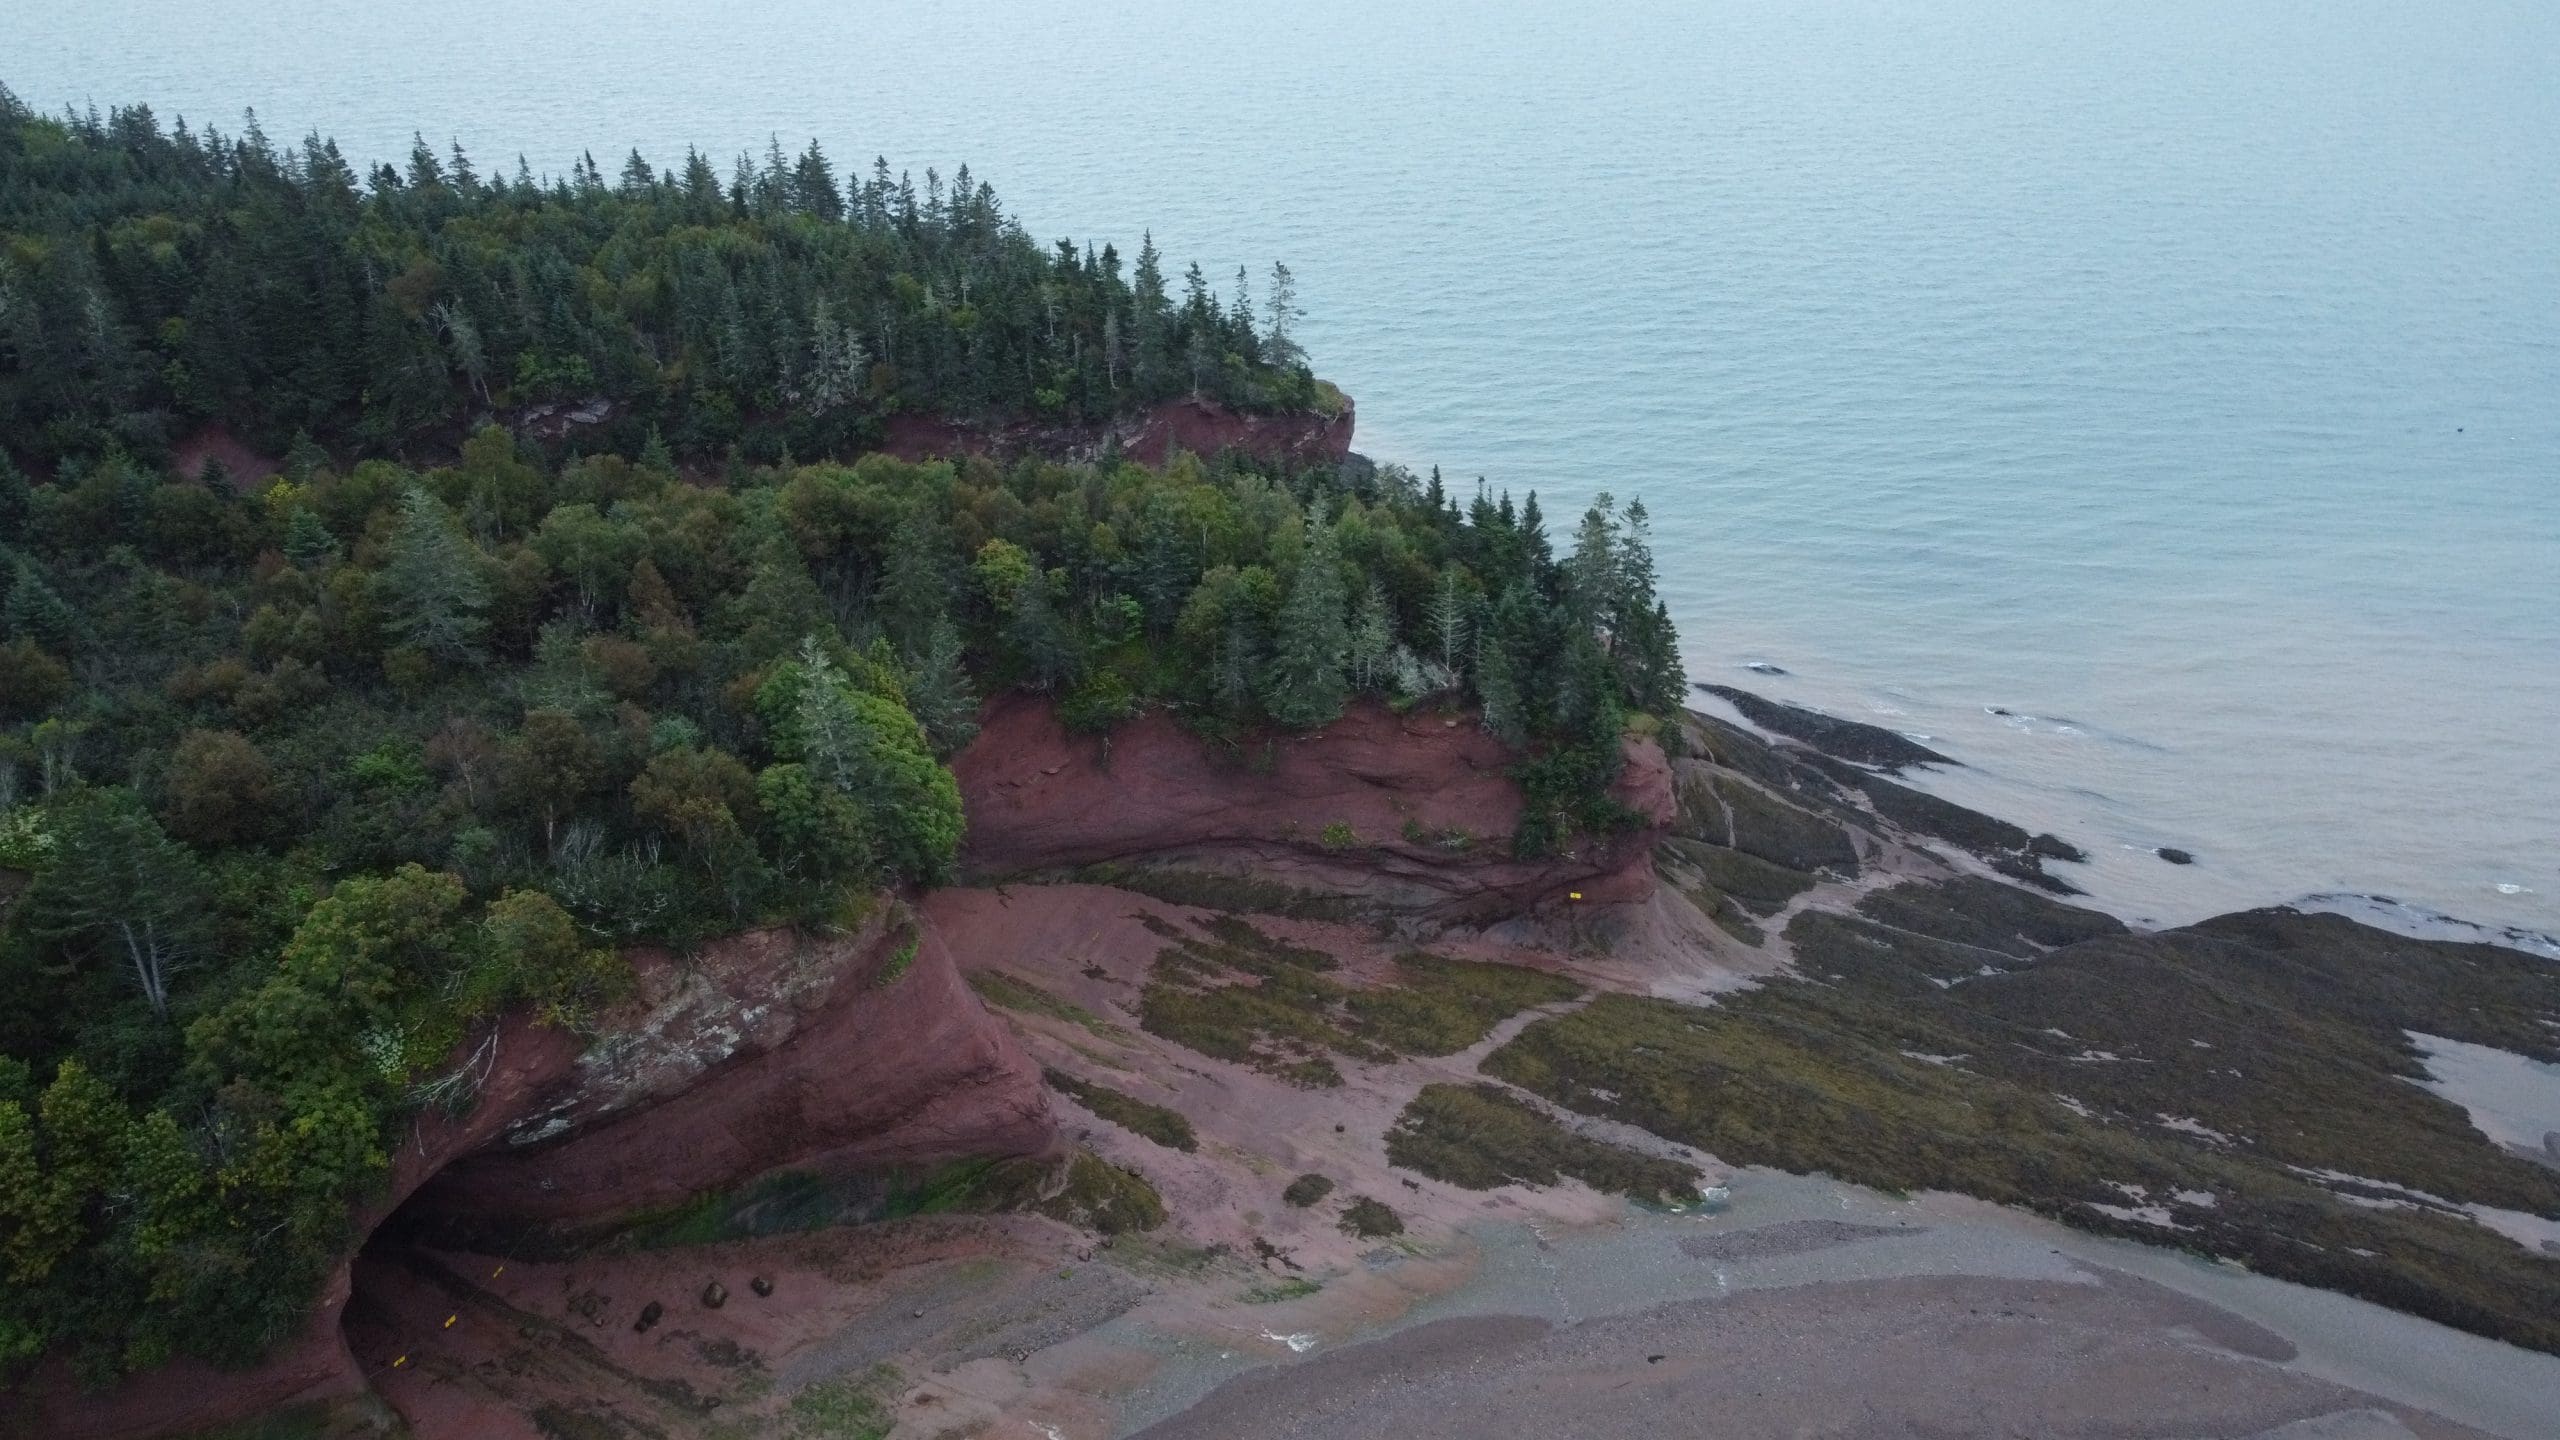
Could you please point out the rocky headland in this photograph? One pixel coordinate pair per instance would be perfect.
(1232, 1057)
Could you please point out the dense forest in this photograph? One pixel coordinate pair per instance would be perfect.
(304, 783)
(157, 278)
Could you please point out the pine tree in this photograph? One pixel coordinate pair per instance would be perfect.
(434, 597)
(1304, 687)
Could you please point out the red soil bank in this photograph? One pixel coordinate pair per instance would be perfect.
(1407, 787)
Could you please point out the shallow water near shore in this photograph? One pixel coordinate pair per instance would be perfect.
(2150, 404)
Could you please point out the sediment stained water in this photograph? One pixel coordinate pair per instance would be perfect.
(2177, 377)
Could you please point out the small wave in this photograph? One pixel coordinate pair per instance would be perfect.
(1762, 667)
(2506, 887)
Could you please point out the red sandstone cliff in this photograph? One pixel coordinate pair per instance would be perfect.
(1198, 426)
(767, 1050)
(1427, 800)
(772, 1050)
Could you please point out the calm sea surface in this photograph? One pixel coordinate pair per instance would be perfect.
(2183, 378)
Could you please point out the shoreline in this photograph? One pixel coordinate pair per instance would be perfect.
(1915, 1255)
(2126, 879)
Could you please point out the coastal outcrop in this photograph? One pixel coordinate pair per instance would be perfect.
(767, 1050)
(1410, 814)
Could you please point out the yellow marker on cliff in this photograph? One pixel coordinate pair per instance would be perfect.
(403, 1360)
(1573, 894)
(449, 1319)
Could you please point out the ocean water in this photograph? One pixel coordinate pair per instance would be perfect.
(2182, 378)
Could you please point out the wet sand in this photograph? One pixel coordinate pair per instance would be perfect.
(1917, 1356)
(1817, 1308)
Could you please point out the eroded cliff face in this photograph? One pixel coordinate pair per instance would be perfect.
(773, 1050)
(1405, 813)
(768, 1050)
(1198, 426)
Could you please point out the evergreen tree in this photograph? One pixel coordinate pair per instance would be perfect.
(938, 689)
(121, 891)
(916, 582)
(433, 595)
(1036, 637)
(35, 612)
(1451, 609)
(1591, 573)
(1373, 639)
(1280, 333)
(1303, 688)
(1497, 693)
(307, 541)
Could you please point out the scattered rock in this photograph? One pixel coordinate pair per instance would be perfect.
(2054, 847)
(1849, 740)
(1762, 667)
(714, 1295)
(761, 1286)
(649, 1315)
(2030, 871)
(2175, 856)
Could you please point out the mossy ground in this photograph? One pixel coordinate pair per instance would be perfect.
(1908, 1061)
(1227, 990)
(1307, 1190)
(1011, 992)
(848, 1407)
(1165, 1127)
(1367, 1219)
(1481, 1136)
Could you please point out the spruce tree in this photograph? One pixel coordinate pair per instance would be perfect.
(307, 542)
(34, 612)
(1451, 610)
(1592, 584)
(1304, 688)
(1497, 693)
(1373, 639)
(938, 689)
(433, 595)
(1037, 638)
